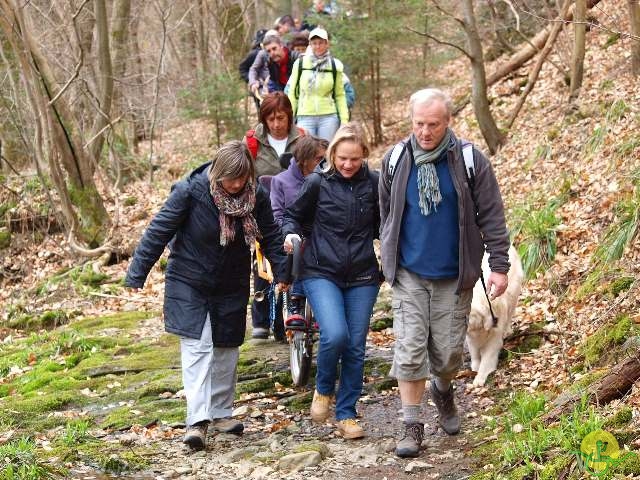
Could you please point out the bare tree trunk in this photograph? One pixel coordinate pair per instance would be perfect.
(634, 18)
(614, 384)
(528, 50)
(535, 71)
(492, 135)
(58, 136)
(137, 115)
(577, 62)
(105, 81)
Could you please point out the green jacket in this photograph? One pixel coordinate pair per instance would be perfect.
(320, 100)
(267, 162)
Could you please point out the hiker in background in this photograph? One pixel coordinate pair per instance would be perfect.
(307, 154)
(211, 221)
(275, 135)
(340, 273)
(350, 92)
(277, 60)
(299, 42)
(245, 64)
(285, 27)
(317, 11)
(431, 251)
(316, 89)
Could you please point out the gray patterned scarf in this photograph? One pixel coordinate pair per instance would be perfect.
(428, 184)
(317, 64)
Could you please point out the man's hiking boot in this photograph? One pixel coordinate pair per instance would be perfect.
(448, 417)
(350, 429)
(296, 320)
(227, 425)
(409, 445)
(320, 407)
(196, 435)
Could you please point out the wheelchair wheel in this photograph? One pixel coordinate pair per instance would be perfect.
(301, 351)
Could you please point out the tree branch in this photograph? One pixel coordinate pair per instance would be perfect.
(80, 62)
(447, 13)
(441, 42)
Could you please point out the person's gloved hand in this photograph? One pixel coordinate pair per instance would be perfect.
(288, 243)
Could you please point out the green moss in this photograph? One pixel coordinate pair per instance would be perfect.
(553, 468)
(113, 458)
(382, 323)
(620, 285)
(621, 418)
(376, 367)
(321, 448)
(144, 413)
(123, 320)
(300, 402)
(387, 383)
(258, 385)
(130, 201)
(170, 382)
(630, 465)
(5, 238)
(605, 338)
(588, 379)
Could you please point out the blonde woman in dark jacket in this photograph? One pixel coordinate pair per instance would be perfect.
(340, 271)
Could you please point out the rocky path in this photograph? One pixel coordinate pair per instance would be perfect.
(299, 449)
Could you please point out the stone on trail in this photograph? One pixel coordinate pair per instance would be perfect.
(297, 461)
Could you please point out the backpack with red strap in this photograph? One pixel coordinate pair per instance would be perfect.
(252, 141)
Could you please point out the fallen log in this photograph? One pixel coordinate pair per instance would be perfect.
(614, 384)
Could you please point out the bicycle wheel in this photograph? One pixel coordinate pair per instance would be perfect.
(301, 351)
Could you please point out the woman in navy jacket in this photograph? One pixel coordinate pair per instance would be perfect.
(340, 270)
(210, 222)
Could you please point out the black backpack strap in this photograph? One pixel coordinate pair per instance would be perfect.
(335, 74)
(296, 91)
(470, 172)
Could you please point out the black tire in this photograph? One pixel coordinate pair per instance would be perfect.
(301, 352)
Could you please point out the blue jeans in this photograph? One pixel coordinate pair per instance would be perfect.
(323, 126)
(343, 316)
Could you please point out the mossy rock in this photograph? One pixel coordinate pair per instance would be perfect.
(319, 447)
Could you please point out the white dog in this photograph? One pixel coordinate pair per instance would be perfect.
(485, 339)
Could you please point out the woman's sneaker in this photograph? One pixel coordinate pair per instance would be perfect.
(295, 320)
(350, 429)
(196, 435)
(320, 407)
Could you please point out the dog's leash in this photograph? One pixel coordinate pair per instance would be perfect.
(486, 294)
(471, 179)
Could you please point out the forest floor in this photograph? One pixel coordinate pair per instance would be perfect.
(88, 376)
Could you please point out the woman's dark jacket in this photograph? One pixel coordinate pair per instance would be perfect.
(343, 218)
(202, 277)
